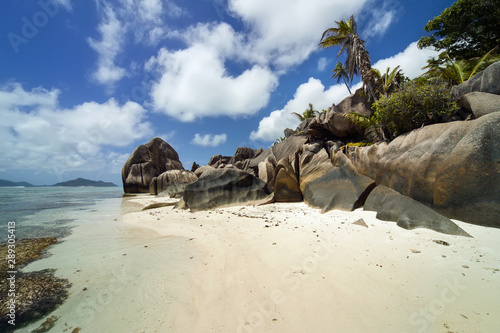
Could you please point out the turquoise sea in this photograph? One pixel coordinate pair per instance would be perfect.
(48, 211)
(116, 271)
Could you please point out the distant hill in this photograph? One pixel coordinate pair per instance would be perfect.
(85, 182)
(8, 183)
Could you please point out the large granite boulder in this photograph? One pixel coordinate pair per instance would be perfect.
(243, 159)
(224, 187)
(486, 81)
(244, 153)
(218, 160)
(408, 213)
(194, 166)
(288, 146)
(198, 172)
(267, 171)
(480, 103)
(336, 185)
(286, 183)
(146, 162)
(172, 182)
(490, 80)
(357, 102)
(331, 124)
(268, 153)
(452, 167)
(313, 163)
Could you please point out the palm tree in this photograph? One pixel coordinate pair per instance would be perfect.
(339, 73)
(389, 81)
(358, 59)
(308, 113)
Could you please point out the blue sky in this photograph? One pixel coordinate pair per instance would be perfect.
(83, 83)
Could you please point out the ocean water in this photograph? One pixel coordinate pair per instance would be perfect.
(47, 211)
(124, 279)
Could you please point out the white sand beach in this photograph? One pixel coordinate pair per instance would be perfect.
(274, 268)
(289, 268)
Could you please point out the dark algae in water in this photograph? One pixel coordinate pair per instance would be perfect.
(36, 293)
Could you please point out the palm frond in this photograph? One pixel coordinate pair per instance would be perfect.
(481, 61)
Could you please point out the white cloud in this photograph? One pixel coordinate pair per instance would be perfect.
(142, 18)
(411, 60)
(14, 95)
(112, 37)
(40, 135)
(378, 26)
(379, 15)
(173, 10)
(200, 81)
(149, 10)
(209, 140)
(322, 63)
(283, 32)
(313, 91)
(194, 82)
(156, 34)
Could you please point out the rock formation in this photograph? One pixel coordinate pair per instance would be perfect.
(286, 183)
(334, 185)
(224, 187)
(172, 182)
(452, 167)
(332, 124)
(480, 103)
(288, 147)
(146, 162)
(486, 81)
(408, 213)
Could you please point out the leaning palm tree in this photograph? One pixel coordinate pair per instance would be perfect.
(339, 73)
(358, 59)
(308, 113)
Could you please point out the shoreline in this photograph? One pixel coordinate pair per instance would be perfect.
(113, 269)
(288, 268)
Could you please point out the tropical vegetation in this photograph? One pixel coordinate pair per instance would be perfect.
(458, 71)
(467, 33)
(414, 105)
(340, 73)
(388, 82)
(467, 29)
(308, 113)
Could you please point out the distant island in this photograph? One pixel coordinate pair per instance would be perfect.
(70, 183)
(8, 183)
(86, 182)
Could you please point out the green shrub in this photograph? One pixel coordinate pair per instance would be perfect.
(414, 105)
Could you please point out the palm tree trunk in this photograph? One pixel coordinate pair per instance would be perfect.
(364, 65)
(350, 93)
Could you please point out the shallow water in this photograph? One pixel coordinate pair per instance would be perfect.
(115, 270)
(47, 211)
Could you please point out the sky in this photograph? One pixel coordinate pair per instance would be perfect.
(83, 83)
